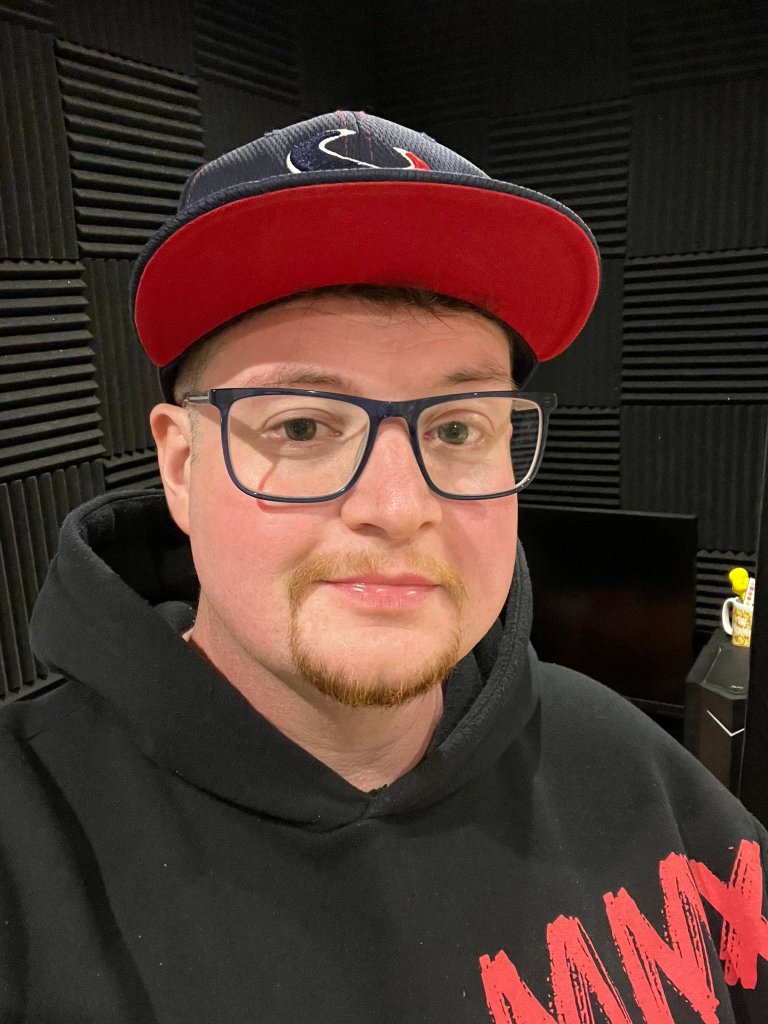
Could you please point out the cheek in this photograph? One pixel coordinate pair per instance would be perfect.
(245, 549)
(486, 546)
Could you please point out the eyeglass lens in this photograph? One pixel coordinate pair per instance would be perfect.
(302, 446)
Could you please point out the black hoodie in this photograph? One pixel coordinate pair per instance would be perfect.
(166, 855)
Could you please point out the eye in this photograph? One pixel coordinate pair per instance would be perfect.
(300, 430)
(453, 432)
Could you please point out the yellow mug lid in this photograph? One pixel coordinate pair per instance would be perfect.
(739, 578)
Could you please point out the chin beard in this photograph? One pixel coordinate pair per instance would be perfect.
(355, 686)
(357, 689)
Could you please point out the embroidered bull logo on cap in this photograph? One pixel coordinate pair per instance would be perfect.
(316, 153)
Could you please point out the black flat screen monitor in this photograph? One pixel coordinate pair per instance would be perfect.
(614, 596)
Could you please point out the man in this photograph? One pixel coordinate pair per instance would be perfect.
(299, 770)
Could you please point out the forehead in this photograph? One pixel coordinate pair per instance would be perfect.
(360, 341)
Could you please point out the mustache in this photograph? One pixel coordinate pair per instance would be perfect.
(330, 567)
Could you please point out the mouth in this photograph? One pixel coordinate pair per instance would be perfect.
(381, 580)
(385, 593)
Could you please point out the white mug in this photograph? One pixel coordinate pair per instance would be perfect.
(740, 629)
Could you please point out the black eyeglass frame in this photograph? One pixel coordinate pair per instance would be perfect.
(224, 398)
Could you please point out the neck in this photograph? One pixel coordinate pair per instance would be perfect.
(369, 747)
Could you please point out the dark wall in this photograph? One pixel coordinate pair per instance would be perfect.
(649, 121)
(650, 125)
(105, 108)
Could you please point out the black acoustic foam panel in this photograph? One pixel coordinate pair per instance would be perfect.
(430, 63)
(698, 164)
(128, 384)
(589, 372)
(134, 136)
(156, 32)
(31, 513)
(696, 41)
(542, 56)
(702, 460)
(580, 467)
(251, 47)
(18, 582)
(577, 155)
(37, 14)
(696, 328)
(49, 409)
(134, 469)
(36, 216)
(232, 117)
(337, 75)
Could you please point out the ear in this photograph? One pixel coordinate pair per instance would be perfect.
(171, 431)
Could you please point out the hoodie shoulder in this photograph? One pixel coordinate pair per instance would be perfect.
(26, 719)
(583, 714)
(628, 765)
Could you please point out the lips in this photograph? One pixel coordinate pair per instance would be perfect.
(385, 593)
(378, 580)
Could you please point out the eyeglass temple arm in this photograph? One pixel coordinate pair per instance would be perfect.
(202, 399)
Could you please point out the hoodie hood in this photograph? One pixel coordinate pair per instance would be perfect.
(109, 618)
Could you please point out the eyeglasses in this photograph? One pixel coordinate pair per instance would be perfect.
(285, 444)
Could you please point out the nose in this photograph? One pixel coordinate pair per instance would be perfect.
(391, 495)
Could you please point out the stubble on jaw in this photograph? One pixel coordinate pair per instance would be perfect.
(351, 686)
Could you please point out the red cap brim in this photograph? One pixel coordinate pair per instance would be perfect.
(526, 262)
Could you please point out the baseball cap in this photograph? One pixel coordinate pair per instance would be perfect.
(350, 198)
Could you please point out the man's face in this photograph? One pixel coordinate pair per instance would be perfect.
(371, 597)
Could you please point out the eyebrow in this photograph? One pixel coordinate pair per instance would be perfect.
(487, 373)
(287, 375)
